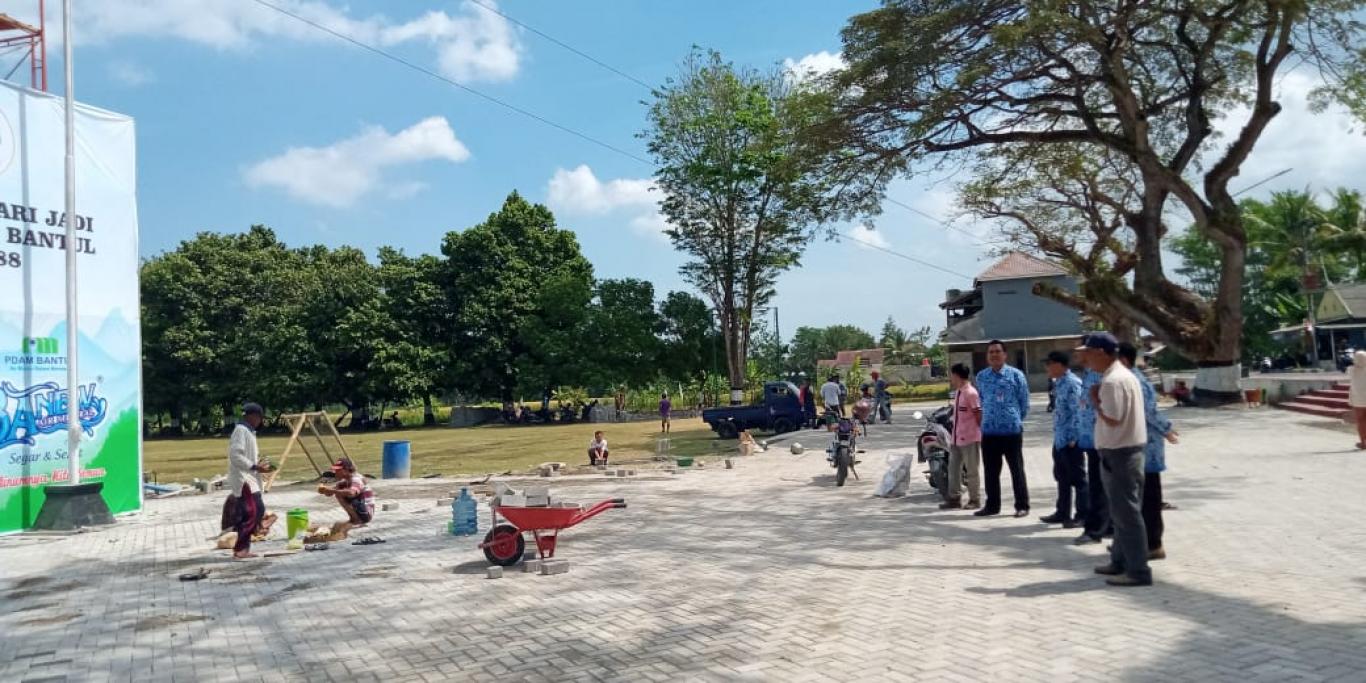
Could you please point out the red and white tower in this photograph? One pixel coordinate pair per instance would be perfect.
(29, 43)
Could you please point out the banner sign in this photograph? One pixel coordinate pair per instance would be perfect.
(33, 395)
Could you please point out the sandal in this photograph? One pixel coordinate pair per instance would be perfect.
(316, 546)
(368, 540)
(196, 576)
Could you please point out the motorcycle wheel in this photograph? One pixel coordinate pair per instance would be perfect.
(841, 466)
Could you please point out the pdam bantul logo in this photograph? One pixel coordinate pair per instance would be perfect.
(8, 145)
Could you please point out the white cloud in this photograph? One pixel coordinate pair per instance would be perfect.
(1325, 151)
(814, 64)
(866, 237)
(130, 73)
(579, 191)
(471, 44)
(340, 174)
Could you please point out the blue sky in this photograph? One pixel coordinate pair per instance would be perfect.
(245, 116)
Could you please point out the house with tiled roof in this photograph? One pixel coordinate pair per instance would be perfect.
(869, 360)
(1002, 305)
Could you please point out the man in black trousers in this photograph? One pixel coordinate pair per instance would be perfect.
(1004, 393)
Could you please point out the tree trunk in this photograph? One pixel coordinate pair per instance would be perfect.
(428, 413)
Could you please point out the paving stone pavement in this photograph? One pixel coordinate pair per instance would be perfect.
(764, 572)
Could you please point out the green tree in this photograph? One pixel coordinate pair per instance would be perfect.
(1288, 235)
(812, 344)
(624, 330)
(411, 360)
(893, 337)
(945, 82)
(558, 348)
(690, 340)
(492, 275)
(741, 201)
(199, 352)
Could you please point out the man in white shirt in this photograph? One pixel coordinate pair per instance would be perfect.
(597, 449)
(1120, 436)
(244, 466)
(831, 395)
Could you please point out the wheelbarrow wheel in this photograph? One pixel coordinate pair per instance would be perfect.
(504, 545)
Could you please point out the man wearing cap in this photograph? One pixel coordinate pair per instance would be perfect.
(1069, 463)
(351, 492)
(1121, 435)
(244, 464)
(1005, 404)
(1160, 433)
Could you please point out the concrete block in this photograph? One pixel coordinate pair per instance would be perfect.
(621, 473)
(389, 507)
(444, 502)
(549, 567)
(531, 566)
(611, 473)
(495, 572)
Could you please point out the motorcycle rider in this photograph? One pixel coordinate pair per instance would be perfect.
(832, 396)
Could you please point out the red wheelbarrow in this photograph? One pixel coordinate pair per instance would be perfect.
(504, 544)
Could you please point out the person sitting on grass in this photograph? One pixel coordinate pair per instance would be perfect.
(597, 449)
(351, 492)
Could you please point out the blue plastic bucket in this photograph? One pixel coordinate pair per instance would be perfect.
(396, 461)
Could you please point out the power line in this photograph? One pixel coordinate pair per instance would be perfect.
(565, 45)
(541, 119)
(1264, 180)
(912, 259)
(942, 222)
(423, 70)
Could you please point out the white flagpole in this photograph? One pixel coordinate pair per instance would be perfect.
(73, 408)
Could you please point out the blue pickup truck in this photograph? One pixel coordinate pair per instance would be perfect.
(778, 411)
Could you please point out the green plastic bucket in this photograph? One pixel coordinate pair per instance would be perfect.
(296, 520)
(684, 462)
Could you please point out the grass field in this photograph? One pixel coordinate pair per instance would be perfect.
(442, 450)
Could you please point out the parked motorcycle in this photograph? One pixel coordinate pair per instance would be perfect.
(842, 449)
(933, 447)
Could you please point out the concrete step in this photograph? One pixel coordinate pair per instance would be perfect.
(1315, 398)
(1335, 391)
(1311, 409)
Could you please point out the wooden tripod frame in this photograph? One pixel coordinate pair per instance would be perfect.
(297, 423)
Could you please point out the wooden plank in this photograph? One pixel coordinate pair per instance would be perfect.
(289, 446)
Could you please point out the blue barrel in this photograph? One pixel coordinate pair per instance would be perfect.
(396, 463)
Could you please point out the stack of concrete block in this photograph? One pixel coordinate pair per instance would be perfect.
(532, 566)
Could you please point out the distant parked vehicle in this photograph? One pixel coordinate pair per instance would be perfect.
(779, 411)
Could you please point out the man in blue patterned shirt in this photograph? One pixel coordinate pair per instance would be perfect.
(1005, 404)
(1160, 432)
(1097, 525)
(1069, 463)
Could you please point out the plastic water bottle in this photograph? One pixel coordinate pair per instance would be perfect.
(465, 514)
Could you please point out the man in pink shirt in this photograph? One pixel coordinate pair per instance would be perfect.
(966, 449)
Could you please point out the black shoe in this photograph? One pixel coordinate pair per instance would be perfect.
(1129, 581)
(1054, 519)
(985, 513)
(1110, 570)
(951, 505)
(1071, 524)
(1022, 513)
(1086, 539)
